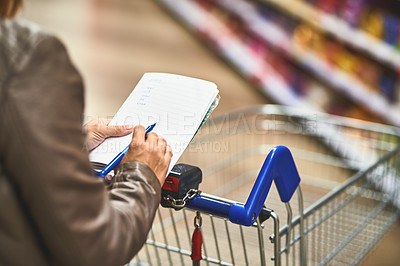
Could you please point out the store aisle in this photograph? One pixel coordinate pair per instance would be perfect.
(113, 42)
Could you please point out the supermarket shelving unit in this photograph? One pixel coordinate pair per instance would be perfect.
(341, 30)
(204, 23)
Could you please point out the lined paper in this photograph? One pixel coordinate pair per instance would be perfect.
(176, 103)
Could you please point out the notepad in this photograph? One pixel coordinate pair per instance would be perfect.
(178, 104)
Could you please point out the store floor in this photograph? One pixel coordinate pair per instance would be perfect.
(113, 42)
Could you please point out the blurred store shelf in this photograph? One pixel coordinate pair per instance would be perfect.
(341, 29)
(203, 19)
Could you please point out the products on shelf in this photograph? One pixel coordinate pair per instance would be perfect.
(372, 75)
(351, 12)
(301, 84)
(298, 63)
(363, 15)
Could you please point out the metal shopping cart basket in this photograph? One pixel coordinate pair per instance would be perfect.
(350, 191)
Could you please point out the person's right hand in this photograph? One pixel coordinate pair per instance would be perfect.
(154, 151)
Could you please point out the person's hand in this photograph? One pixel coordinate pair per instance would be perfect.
(154, 151)
(98, 130)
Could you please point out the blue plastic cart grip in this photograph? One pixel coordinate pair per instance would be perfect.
(279, 166)
(210, 205)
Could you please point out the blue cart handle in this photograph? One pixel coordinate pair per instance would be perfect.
(279, 166)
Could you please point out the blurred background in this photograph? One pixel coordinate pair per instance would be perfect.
(340, 57)
(113, 43)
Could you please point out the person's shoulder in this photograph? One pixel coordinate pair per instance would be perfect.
(21, 34)
(20, 38)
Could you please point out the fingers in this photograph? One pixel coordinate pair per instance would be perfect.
(138, 134)
(163, 143)
(153, 151)
(117, 131)
(151, 142)
(157, 143)
(166, 160)
(98, 122)
(168, 154)
(152, 138)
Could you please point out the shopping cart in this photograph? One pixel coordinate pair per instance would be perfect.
(349, 177)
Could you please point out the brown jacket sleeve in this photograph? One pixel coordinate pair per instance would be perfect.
(78, 221)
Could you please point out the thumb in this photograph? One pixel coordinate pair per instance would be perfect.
(118, 131)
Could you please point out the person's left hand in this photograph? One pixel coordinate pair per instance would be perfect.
(98, 130)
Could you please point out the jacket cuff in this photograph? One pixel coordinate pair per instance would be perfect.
(135, 169)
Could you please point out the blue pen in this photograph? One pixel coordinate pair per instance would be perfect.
(114, 162)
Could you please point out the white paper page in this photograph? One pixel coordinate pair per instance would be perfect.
(178, 105)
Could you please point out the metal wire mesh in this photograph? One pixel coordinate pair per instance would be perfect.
(343, 226)
(342, 183)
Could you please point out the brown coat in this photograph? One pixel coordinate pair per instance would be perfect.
(53, 210)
